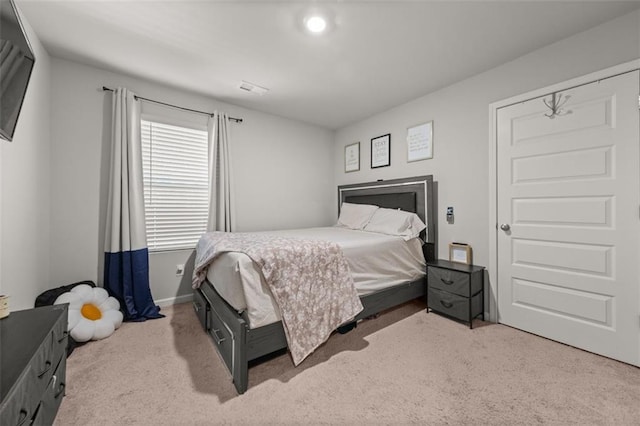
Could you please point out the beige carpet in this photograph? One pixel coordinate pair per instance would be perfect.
(406, 366)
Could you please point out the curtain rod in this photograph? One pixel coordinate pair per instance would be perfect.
(237, 120)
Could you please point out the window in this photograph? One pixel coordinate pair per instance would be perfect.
(176, 185)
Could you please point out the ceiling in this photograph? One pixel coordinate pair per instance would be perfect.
(376, 54)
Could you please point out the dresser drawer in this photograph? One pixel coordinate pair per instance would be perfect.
(53, 396)
(20, 406)
(454, 305)
(60, 338)
(51, 352)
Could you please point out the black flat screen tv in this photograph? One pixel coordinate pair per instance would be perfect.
(16, 64)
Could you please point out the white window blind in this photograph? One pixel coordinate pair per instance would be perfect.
(176, 185)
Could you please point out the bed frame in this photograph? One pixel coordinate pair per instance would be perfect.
(238, 344)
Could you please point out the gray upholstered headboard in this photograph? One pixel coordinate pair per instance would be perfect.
(415, 194)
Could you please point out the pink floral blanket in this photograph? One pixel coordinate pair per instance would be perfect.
(309, 280)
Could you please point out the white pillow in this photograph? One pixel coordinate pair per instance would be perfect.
(395, 222)
(355, 216)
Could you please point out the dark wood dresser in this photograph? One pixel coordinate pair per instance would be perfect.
(33, 359)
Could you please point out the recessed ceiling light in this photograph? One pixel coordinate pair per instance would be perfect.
(316, 24)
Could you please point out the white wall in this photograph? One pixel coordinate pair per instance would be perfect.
(282, 169)
(52, 192)
(461, 126)
(24, 191)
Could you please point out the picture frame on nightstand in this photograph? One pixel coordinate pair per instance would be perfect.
(460, 253)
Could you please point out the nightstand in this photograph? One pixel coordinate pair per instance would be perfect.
(455, 290)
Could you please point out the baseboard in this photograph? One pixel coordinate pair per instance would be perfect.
(174, 300)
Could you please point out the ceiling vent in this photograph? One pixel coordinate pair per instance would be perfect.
(253, 88)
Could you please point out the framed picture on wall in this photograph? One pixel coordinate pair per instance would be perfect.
(420, 142)
(352, 157)
(381, 151)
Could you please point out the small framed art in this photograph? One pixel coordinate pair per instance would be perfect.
(381, 151)
(352, 157)
(420, 142)
(461, 253)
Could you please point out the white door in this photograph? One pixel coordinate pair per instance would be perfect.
(568, 202)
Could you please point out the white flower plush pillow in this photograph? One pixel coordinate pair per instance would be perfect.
(355, 216)
(395, 222)
(93, 314)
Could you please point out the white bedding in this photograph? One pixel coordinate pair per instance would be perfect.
(377, 261)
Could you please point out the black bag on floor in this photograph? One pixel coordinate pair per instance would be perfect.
(48, 297)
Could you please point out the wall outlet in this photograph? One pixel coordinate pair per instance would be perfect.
(179, 270)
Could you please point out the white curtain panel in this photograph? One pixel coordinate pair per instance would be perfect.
(126, 229)
(126, 271)
(221, 199)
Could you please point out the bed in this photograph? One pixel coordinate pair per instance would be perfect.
(241, 337)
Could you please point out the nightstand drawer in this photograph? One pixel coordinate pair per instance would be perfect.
(448, 280)
(449, 303)
(456, 306)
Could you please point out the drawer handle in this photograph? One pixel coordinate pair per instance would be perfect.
(447, 282)
(60, 391)
(218, 338)
(446, 304)
(23, 416)
(64, 336)
(47, 368)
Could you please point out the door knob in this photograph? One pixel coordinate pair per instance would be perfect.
(505, 227)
